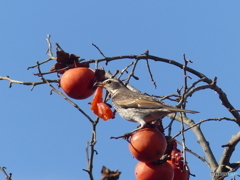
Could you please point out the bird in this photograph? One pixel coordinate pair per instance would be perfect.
(135, 106)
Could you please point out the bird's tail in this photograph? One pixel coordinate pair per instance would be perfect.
(189, 111)
(183, 110)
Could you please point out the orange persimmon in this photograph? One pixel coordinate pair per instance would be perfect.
(147, 144)
(97, 98)
(104, 111)
(78, 82)
(181, 171)
(99, 108)
(153, 171)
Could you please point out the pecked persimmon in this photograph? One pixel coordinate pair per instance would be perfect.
(104, 111)
(97, 98)
(77, 83)
(99, 108)
(147, 144)
(181, 172)
(154, 171)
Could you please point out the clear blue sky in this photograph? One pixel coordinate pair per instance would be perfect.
(43, 137)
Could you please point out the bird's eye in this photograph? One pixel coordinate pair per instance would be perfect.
(109, 82)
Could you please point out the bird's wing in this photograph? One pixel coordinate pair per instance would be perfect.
(139, 103)
(149, 104)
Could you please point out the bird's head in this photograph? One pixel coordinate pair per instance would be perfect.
(111, 85)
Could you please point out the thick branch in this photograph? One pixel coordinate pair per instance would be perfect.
(200, 139)
(227, 153)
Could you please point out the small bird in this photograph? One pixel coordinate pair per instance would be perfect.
(136, 106)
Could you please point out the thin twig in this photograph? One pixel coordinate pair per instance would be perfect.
(195, 83)
(49, 59)
(99, 50)
(149, 69)
(59, 47)
(182, 103)
(54, 71)
(170, 125)
(33, 84)
(132, 72)
(151, 76)
(169, 97)
(195, 154)
(8, 177)
(125, 70)
(205, 120)
(49, 53)
(90, 153)
(49, 50)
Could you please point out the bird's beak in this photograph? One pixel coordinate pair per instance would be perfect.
(99, 84)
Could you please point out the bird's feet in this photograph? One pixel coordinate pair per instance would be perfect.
(126, 136)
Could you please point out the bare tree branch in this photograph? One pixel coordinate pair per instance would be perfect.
(200, 139)
(205, 120)
(131, 74)
(8, 177)
(229, 149)
(33, 84)
(195, 154)
(90, 156)
(98, 49)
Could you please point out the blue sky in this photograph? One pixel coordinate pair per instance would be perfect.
(44, 137)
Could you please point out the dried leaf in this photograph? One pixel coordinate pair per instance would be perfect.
(66, 61)
(99, 75)
(107, 174)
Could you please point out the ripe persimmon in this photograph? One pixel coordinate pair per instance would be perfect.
(154, 171)
(78, 82)
(147, 144)
(180, 171)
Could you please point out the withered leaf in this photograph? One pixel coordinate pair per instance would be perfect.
(108, 174)
(66, 61)
(99, 75)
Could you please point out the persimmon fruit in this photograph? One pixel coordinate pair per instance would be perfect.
(147, 144)
(153, 171)
(77, 83)
(180, 171)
